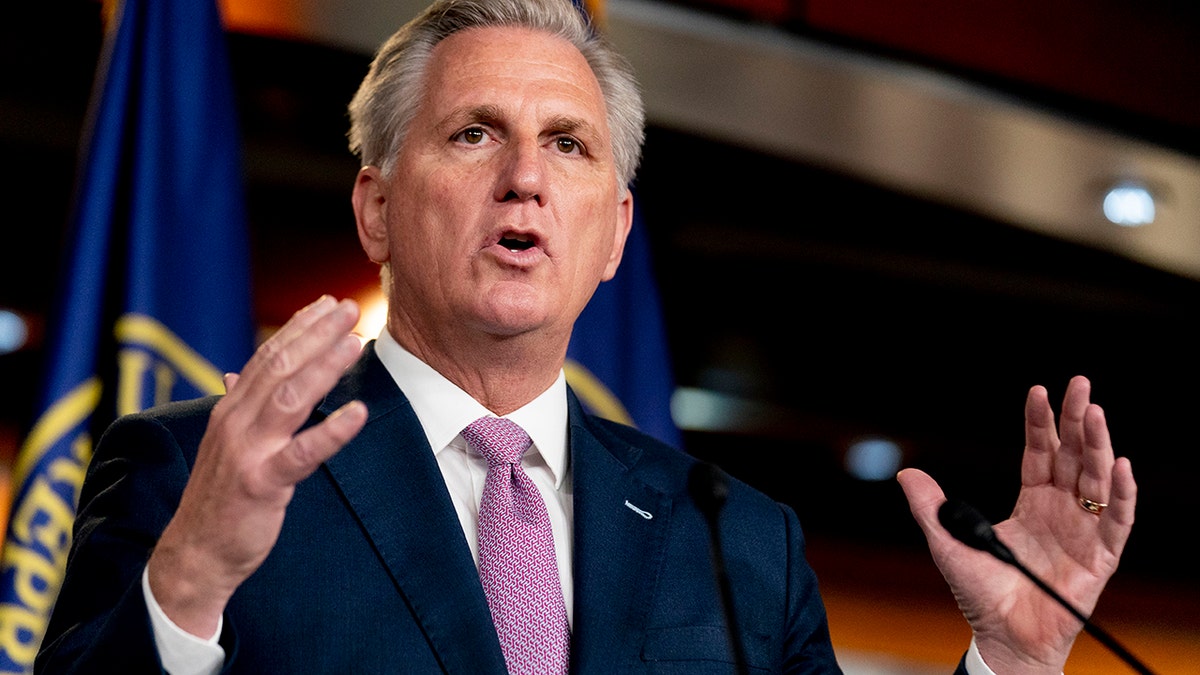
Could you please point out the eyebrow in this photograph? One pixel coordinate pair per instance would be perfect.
(487, 114)
(493, 116)
(573, 125)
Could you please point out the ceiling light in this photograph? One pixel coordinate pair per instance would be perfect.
(1129, 204)
(873, 459)
(13, 331)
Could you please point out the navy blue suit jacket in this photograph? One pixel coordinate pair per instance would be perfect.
(372, 573)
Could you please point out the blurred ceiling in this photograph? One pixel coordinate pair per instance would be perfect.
(1024, 112)
(868, 217)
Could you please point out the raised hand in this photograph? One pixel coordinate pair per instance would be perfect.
(249, 461)
(1073, 516)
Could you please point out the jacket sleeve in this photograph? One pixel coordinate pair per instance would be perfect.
(807, 647)
(100, 623)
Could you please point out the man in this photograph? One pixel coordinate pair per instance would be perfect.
(335, 511)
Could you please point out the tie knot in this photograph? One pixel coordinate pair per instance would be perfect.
(500, 441)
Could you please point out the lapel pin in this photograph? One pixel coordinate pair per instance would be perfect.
(645, 514)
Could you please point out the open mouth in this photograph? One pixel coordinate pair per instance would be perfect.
(516, 242)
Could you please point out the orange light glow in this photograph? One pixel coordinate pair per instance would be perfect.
(372, 314)
(262, 17)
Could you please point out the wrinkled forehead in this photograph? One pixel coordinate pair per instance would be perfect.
(513, 66)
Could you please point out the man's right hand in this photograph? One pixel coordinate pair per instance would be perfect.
(249, 462)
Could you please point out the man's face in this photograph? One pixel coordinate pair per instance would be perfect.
(503, 213)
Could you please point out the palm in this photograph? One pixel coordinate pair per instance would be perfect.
(1016, 624)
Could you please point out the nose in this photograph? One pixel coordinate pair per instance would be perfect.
(523, 174)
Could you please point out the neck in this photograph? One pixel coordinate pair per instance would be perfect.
(502, 373)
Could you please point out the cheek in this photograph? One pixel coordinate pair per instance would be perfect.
(425, 217)
(450, 202)
(594, 247)
(602, 215)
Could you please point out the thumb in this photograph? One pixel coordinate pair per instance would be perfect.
(924, 497)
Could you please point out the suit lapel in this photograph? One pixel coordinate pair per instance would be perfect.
(621, 526)
(389, 478)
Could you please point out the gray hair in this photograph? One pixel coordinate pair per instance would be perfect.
(388, 98)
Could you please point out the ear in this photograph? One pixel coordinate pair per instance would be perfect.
(370, 212)
(620, 234)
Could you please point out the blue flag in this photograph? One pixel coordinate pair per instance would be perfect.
(618, 362)
(156, 304)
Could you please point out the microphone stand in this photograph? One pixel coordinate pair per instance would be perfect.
(969, 526)
(709, 490)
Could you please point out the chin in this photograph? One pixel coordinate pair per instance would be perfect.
(510, 323)
(514, 310)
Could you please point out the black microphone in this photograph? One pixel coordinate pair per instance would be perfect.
(969, 526)
(707, 486)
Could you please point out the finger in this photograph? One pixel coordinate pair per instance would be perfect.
(1095, 474)
(230, 381)
(303, 388)
(317, 444)
(264, 360)
(1117, 520)
(305, 317)
(1068, 461)
(1041, 439)
(291, 375)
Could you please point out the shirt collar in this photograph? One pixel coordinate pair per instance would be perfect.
(444, 409)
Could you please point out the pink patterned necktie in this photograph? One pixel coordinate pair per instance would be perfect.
(516, 555)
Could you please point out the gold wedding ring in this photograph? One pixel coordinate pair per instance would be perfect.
(1091, 506)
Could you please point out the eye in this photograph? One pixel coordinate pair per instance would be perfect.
(567, 145)
(471, 136)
